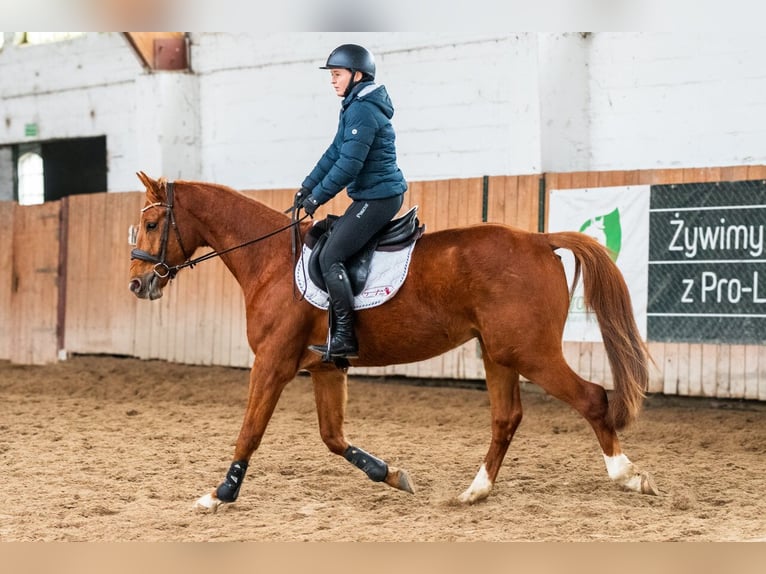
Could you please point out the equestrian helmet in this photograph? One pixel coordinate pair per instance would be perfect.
(351, 57)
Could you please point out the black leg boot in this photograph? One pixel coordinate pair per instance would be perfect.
(343, 340)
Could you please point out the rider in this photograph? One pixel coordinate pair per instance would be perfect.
(361, 158)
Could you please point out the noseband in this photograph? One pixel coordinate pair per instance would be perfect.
(161, 267)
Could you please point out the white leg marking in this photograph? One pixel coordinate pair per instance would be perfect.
(207, 503)
(479, 489)
(621, 471)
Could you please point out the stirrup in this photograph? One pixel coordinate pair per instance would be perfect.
(329, 357)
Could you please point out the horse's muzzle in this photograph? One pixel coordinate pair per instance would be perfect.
(147, 287)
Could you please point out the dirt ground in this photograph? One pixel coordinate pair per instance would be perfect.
(116, 449)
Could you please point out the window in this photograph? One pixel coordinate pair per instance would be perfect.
(31, 180)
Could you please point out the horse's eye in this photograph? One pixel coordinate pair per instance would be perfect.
(151, 225)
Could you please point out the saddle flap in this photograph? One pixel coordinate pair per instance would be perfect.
(357, 267)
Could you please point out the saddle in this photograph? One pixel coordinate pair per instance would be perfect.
(398, 234)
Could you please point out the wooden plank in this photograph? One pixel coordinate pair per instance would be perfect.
(612, 179)
(737, 372)
(561, 181)
(694, 375)
(413, 197)
(77, 291)
(510, 204)
(734, 173)
(723, 371)
(34, 292)
(96, 339)
(440, 196)
(762, 372)
(673, 176)
(580, 179)
(651, 176)
(165, 328)
(701, 174)
(455, 203)
(428, 191)
(709, 369)
(670, 374)
(756, 172)
(751, 371)
(632, 177)
(496, 198)
(125, 210)
(474, 201)
(527, 202)
(7, 210)
(684, 366)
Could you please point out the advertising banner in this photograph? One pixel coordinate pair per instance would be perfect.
(618, 217)
(707, 262)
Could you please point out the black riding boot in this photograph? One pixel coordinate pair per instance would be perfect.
(343, 339)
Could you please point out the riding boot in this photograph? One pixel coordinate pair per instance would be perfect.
(343, 339)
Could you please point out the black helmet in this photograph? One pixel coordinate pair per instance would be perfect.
(352, 57)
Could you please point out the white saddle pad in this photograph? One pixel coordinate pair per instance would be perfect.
(388, 271)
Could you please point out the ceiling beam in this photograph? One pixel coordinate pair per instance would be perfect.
(160, 50)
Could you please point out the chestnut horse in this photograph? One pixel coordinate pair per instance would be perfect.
(503, 286)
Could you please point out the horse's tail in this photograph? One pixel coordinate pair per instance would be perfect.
(606, 294)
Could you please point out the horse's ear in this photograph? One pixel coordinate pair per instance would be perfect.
(153, 191)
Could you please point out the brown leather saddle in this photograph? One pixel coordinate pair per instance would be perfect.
(398, 234)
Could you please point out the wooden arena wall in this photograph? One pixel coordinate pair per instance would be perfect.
(64, 285)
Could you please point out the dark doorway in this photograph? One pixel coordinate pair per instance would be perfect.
(74, 166)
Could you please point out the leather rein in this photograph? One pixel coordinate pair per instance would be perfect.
(161, 267)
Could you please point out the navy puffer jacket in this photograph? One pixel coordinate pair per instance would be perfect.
(362, 156)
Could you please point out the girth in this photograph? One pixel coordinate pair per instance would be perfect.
(398, 234)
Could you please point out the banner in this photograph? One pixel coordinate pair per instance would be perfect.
(707, 262)
(618, 217)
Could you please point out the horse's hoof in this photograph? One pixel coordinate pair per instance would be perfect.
(479, 489)
(399, 479)
(207, 503)
(471, 497)
(404, 482)
(648, 486)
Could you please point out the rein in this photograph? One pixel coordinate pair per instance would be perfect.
(162, 269)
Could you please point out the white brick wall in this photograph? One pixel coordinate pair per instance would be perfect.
(671, 100)
(257, 112)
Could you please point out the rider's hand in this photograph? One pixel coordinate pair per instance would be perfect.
(300, 195)
(309, 204)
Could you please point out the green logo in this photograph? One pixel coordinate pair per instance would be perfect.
(607, 230)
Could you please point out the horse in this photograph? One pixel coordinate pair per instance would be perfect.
(500, 285)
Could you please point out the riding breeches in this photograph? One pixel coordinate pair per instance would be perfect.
(350, 232)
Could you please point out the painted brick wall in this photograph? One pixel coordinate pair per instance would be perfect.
(257, 113)
(676, 100)
(465, 105)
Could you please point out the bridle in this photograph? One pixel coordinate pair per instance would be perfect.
(161, 267)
